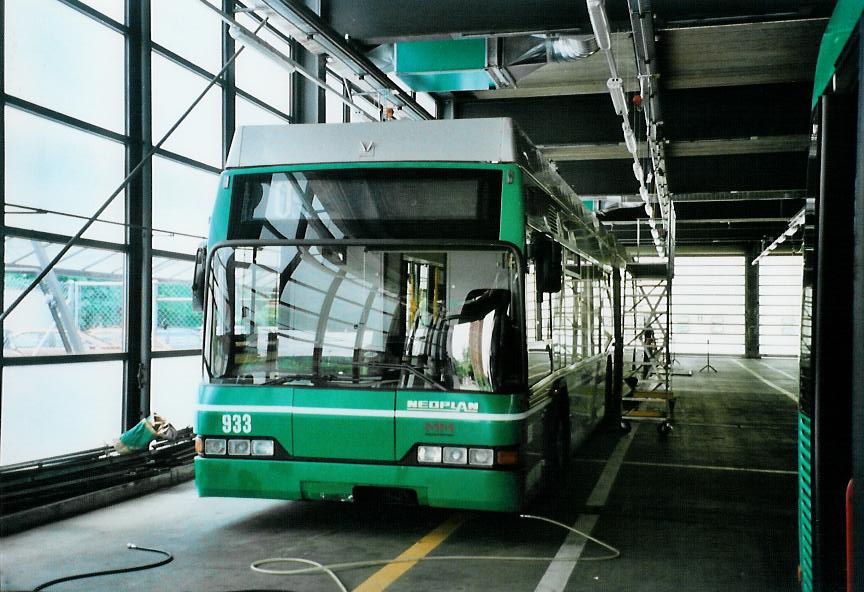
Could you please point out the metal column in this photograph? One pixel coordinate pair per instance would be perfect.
(309, 103)
(751, 305)
(139, 281)
(613, 407)
(229, 94)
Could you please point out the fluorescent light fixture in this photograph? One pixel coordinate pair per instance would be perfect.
(629, 137)
(619, 101)
(600, 24)
(643, 193)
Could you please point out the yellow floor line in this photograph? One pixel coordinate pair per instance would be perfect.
(388, 574)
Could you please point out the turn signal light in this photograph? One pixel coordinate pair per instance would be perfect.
(508, 457)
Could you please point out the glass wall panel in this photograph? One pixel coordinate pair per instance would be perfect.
(182, 202)
(77, 309)
(174, 388)
(60, 71)
(73, 407)
(708, 305)
(780, 293)
(200, 44)
(58, 168)
(175, 324)
(112, 8)
(248, 113)
(200, 135)
(260, 76)
(335, 108)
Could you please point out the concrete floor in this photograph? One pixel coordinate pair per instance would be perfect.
(711, 507)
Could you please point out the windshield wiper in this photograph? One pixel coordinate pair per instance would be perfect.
(290, 377)
(408, 368)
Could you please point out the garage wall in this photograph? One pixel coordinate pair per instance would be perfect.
(70, 350)
(708, 305)
(780, 289)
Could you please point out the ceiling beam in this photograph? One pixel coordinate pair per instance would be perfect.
(674, 149)
(740, 54)
(755, 53)
(706, 196)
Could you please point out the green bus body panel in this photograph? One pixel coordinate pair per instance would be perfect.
(350, 435)
(457, 428)
(805, 517)
(512, 201)
(275, 424)
(513, 208)
(441, 487)
(840, 27)
(221, 211)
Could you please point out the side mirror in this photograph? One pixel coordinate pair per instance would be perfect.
(547, 261)
(198, 278)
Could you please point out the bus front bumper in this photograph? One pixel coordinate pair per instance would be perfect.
(474, 489)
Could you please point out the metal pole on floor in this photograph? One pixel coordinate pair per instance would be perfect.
(708, 367)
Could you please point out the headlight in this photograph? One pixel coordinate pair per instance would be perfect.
(429, 454)
(238, 447)
(262, 447)
(455, 456)
(480, 456)
(214, 446)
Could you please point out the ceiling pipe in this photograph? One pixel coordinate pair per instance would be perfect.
(318, 37)
(662, 235)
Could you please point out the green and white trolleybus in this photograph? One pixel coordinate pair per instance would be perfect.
(409, 312)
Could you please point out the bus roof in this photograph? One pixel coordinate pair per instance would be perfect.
(448, 140)
(488, 140)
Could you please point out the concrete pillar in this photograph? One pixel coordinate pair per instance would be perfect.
(751, 304)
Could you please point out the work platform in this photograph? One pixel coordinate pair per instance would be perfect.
(712, 506)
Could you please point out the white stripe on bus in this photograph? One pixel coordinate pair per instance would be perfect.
(373, 412)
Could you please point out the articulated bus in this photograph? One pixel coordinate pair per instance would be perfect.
(406, 312)
(831, 406)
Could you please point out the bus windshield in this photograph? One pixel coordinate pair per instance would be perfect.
(364, 316)
(366, 203)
